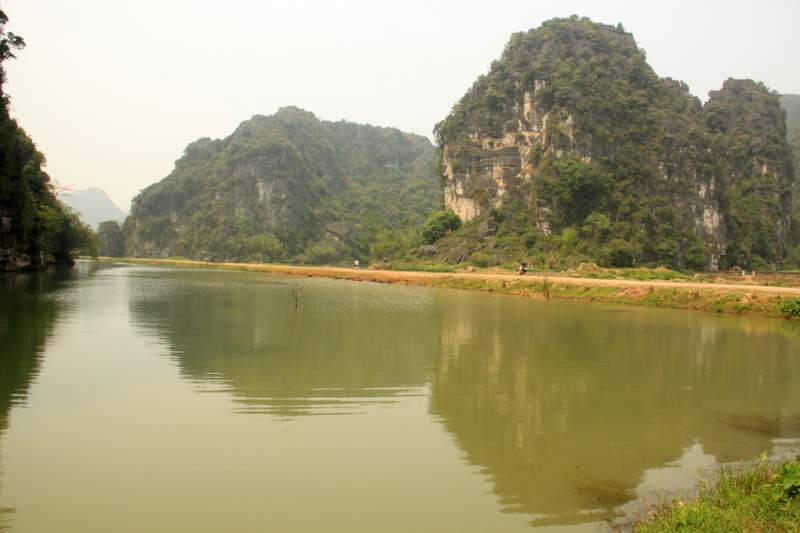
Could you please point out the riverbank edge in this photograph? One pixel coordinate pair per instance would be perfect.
(751, 300)
(729, 497)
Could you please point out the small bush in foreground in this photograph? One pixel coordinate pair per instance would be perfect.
(788, 481)
(791, 307)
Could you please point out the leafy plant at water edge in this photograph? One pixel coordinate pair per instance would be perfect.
(788, 481)
(735, 500)
(791, 307)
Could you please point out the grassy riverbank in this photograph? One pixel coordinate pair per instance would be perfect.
(677, 293)
(761, 497)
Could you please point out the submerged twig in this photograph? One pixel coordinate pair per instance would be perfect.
(296, 293)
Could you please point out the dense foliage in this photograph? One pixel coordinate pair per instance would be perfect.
(748, 132)
(791, 104)
(572, 124)
(288, 186)
(438, 225)
(112, 239)
(36, 228)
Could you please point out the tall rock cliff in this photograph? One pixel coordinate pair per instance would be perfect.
(284, 186)
(572, 122)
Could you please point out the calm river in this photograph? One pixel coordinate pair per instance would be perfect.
(139, 398)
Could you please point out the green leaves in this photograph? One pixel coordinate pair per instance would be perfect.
(788, 480)
(791, 307)
(697, 253)
(438, 225)
(8, 41)
(112, 239)
(577, 188)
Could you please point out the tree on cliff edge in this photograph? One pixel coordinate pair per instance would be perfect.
(35, 227)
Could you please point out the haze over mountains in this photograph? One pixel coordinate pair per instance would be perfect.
(94, 206)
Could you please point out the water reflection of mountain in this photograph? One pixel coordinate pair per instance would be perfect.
(563, 407)
(566, 406)
(347, 344)
(27, 319)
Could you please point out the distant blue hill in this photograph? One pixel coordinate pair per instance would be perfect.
(94, 206)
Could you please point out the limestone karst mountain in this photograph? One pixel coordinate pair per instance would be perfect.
(574, 129)
(285, 186)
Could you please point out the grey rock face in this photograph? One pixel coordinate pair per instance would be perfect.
(427, 249)
(458, 254)
(487, 229)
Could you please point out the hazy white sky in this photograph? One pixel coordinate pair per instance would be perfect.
(113, 91)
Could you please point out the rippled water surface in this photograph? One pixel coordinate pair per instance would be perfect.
(137, 398)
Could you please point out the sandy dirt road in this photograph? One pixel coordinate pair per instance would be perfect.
(390, 275)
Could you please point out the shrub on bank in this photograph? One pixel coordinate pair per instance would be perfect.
(791, 307)
(753, 499)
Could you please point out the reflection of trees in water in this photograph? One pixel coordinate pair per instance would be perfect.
(26, 321)
(348, 344)
(565, 406)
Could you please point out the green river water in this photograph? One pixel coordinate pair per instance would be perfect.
(140, 398)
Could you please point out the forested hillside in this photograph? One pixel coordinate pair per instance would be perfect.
(573, 149)
(791, 103)
(284, 187)
(35, 227)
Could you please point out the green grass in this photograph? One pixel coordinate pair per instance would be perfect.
(640, 274)
(423, 268)
(645, 274)
(751, 500)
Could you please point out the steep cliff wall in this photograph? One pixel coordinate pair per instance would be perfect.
(284, 186)
(755, 166)
(571, 121)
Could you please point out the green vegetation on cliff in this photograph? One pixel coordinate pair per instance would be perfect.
(791, 103)
(112, 239)
(574, 138)
(288, 186)
(35, 227)
(755, 164)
